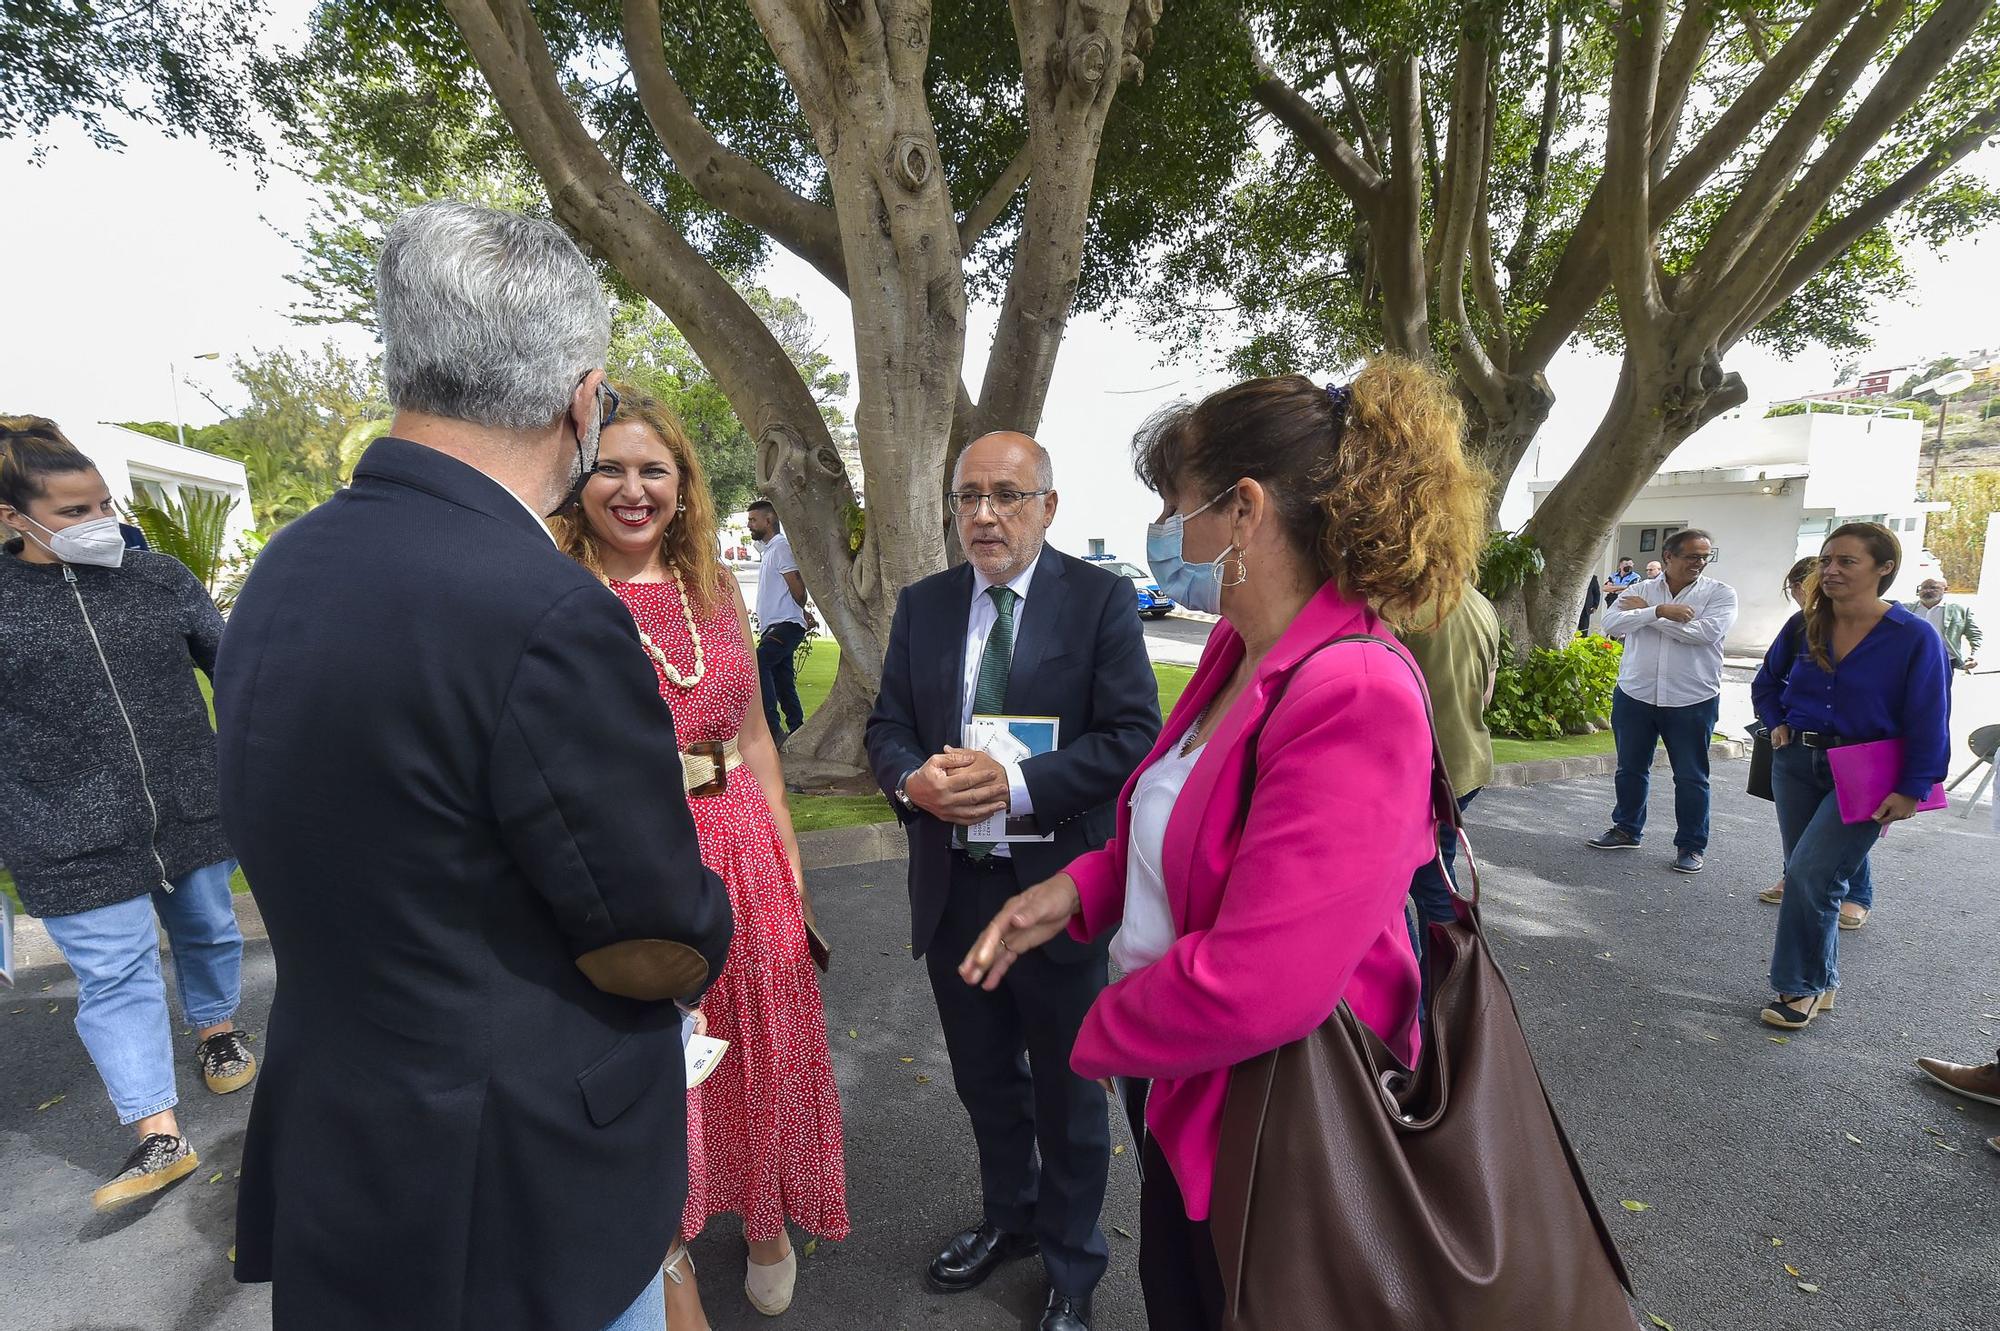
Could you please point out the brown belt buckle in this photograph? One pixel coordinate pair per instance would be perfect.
(716, 751)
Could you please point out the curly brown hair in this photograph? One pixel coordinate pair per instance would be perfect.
(1380, 495)
(688, 544)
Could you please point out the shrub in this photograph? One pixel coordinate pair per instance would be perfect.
(1506, 563)
(1554, 693)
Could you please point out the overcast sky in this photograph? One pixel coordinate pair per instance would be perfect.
(120, 263)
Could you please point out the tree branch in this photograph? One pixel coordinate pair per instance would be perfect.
(1465, 171)
(1627, 184)
(1778, 165)
(725, 178)
(1898, 89)
(1834, 239)
(986, 210)
(1356, 178)
(749, 364)
(1398, 227)
(1485, 286)
(1523, 248)
(1074, 56)
(1357, 112)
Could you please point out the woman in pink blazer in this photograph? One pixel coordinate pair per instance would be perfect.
(1265, 847)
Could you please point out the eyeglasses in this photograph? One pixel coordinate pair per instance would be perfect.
(607, 403)
(1005, 503)
(1697, 560)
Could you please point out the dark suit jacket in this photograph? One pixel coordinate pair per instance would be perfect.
(448, 772)
(1078, 655)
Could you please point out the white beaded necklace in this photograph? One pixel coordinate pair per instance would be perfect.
(667, 668)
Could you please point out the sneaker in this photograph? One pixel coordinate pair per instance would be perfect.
(157, 1161)
(1688, 861)
(1980, 1083)
(1616, 839)
(225, 1061)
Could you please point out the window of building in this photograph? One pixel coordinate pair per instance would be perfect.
(1096, 545)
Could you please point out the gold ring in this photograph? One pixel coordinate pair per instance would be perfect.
(1004, 943)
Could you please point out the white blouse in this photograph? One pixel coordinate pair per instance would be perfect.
(1147, 930)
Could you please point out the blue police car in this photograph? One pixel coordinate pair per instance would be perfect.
(1153, 603)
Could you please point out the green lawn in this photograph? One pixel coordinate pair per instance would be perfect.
(1569, 746)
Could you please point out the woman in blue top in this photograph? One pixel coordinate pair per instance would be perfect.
(1862, 669)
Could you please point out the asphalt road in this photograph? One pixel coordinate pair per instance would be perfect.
(1639, 989)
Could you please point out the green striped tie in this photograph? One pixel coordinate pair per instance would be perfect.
(989, 695)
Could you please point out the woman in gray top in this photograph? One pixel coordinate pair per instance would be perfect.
(108, 816)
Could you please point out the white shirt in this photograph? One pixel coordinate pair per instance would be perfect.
(775, 602)
(1147, 930)
(978, 627)
(1668, 664)
(540, 521)
(1933, 615)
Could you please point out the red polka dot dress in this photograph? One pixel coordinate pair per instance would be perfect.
(764, 1138)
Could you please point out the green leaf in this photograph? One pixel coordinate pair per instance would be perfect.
(1636, 1207)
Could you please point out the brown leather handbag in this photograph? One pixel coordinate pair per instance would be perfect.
(1352, 1194)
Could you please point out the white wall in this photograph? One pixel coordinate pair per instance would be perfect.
(1861, 464)
(1757, 536)
(126, 457)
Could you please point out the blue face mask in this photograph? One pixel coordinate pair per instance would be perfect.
(1196, 586)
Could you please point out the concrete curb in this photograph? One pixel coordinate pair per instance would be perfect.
(840, 847)
(1539, 770)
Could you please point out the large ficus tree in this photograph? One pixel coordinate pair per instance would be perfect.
(1484, 182)
(908, 156)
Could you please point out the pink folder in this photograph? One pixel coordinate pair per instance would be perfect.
(1865, 774)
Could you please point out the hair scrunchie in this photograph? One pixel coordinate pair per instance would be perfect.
(1339, 395)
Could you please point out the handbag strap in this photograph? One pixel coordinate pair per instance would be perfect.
(1444, 804)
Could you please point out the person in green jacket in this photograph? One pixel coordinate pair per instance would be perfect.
(1954, 623)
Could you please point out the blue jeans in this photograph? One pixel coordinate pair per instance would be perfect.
(649, 1313)
(121, 1006)
(1822, 857)
(1430, 894)
(1639, 727)
(777, 674)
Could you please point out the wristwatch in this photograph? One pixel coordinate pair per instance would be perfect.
(903, 791)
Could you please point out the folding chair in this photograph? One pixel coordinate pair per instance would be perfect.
(1983, 742)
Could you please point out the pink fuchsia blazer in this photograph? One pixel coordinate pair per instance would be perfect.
(1288, 857)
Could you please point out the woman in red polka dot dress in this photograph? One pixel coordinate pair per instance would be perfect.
(764, 1138)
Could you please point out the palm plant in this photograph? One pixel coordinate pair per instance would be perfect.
(193, 528)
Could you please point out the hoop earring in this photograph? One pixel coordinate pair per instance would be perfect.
(1223, 571)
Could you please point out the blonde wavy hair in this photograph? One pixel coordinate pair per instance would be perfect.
(688, 544)
(1375, 489)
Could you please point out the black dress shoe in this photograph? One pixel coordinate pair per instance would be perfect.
(1065, 1313)
(972, 1256)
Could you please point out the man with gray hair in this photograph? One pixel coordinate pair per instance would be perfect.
(457, 796)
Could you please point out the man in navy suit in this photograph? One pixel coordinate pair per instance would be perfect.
(1018, 630)
(450, 777)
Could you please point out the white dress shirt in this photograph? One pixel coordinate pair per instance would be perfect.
(540, 521)
(978, 627)
(1147, 929)
(1668, 664)
(775, 602)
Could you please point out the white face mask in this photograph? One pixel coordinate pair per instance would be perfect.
(97, 541)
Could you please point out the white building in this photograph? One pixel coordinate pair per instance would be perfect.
(1769, 490)
(137, 465)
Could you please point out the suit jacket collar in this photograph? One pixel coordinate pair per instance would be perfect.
(401, 462)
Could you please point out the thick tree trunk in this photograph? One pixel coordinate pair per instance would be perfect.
(858, 70)
(1647, 420)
